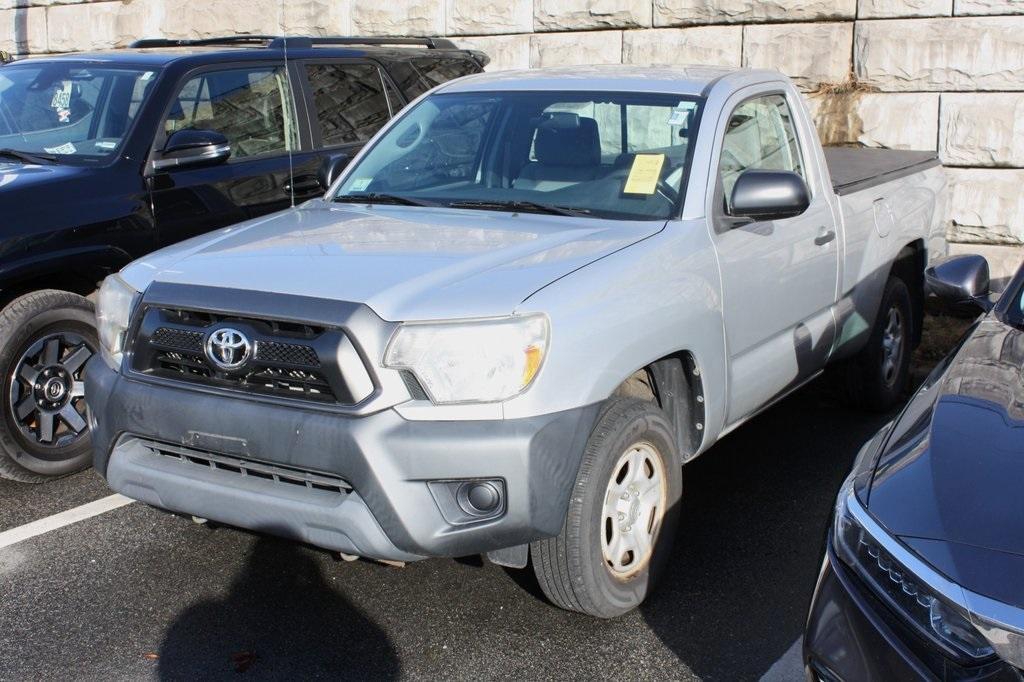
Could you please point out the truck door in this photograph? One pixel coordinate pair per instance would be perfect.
(253, 106)
(778, 277)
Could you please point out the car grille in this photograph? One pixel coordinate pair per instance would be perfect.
(245, 467)
(288, 360)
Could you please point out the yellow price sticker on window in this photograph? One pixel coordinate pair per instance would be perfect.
(644, 174)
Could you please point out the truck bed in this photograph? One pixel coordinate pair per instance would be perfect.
(857, 168)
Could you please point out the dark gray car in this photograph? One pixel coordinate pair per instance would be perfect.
(924, 573)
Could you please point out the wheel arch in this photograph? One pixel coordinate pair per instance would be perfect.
(77, 271)
(675, 383)
(909, 266)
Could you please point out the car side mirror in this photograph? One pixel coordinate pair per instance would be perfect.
(331, 168)
(769, 195)
(960, 283)
(188, 148)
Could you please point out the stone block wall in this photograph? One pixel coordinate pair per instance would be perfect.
(945, 75)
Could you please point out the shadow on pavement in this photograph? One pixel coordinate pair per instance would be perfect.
(754, 518)
(280, 620)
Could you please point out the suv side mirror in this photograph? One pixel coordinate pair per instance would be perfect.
(769, 195)
(960, 283)
(330, 169)
(192, 148)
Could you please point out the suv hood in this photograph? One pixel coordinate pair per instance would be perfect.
(406, 263)
(950, 481)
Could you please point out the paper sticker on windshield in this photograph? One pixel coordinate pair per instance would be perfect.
(146, 76)
(359, 184)
(62, 97)
(66, 148)
(105, 144)
(644, 174)
(680, 116)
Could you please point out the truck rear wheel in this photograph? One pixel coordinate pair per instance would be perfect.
(46, 337)
(622, 515)
(877, 377)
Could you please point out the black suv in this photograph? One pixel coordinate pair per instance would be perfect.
(105, 157)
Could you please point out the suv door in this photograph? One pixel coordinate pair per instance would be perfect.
(779, 277)
(349, 101)
(254, 108)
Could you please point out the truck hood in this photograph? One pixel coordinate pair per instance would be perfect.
(949, 482)
(405, 263)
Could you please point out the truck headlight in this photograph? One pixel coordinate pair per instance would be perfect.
(113, 312)
(471, 362)
(930, 603)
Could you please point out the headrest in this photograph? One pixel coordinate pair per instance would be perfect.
(567, 139)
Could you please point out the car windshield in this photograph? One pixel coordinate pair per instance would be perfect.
(66, 111)
(591, 154)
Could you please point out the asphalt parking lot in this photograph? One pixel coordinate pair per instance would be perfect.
(134, 593)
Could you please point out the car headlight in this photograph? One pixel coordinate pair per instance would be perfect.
(471, 362)
(113, 312)
(929, 602)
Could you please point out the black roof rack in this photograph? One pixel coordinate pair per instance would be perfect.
(295, 42)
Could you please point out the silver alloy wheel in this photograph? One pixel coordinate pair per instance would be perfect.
(892, 346)
(634, 505)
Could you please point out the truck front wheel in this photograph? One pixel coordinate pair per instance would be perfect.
(46, 337)
(622, 515)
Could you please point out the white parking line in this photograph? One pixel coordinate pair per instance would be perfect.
(789, 667)
(64, 518)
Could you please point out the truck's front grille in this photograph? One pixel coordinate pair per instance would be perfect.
(245, 467)
(285, 359)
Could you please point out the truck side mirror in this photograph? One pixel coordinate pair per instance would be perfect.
(187, 148)
(960, 283)
(769, 195)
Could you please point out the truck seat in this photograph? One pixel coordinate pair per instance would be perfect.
(565, 155)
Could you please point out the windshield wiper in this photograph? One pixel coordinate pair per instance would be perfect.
(522, 206)
(27, 157)
(378, 198)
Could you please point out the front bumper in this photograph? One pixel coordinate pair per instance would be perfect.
(852, 636)
(395, 509)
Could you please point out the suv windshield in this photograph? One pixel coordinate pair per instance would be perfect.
(74, 112)
(598, 154)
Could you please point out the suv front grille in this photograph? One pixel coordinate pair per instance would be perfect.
(287, 360)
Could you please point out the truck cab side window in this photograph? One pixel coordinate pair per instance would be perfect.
(251, 107)
(350, 102)
(760, 135)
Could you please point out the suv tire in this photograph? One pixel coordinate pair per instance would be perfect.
(46, 337)
(877, 377)
(622, 515)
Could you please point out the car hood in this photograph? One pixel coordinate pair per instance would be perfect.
(950, 483)
(405, 263)
(15, 175)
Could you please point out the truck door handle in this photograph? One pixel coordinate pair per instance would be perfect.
(825, 238)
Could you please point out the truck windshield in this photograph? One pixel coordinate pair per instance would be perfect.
(592, 154)
(66, 111)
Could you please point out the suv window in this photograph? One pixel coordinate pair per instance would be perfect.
(253, 108)
(78, 111)
(420, 74)
(760, 135)
(350, 102)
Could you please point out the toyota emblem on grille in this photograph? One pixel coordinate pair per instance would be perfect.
(228, 348)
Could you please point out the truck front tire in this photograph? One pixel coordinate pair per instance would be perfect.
(622, 515)
(876, 378)
(46, 337)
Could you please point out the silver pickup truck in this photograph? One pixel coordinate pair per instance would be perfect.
(518, 313)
